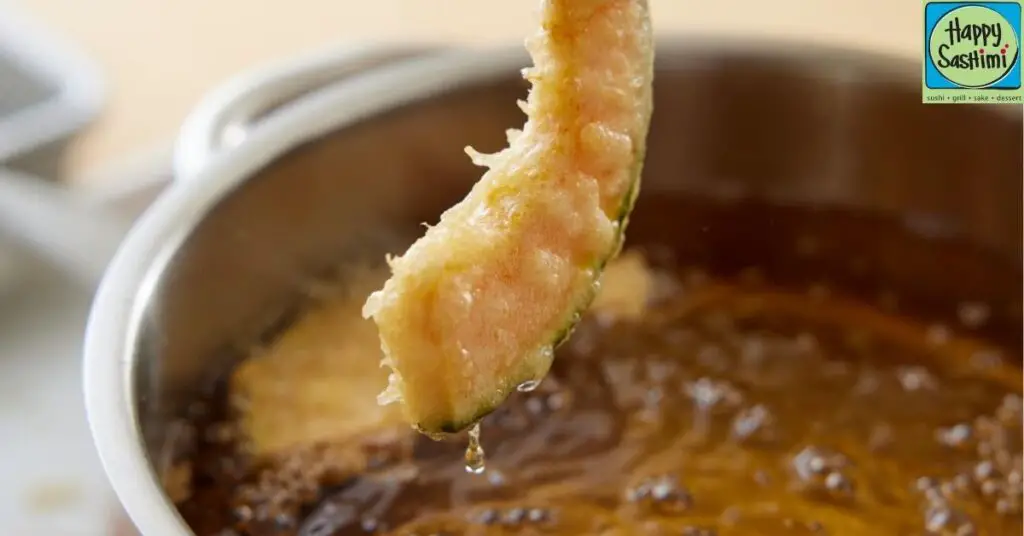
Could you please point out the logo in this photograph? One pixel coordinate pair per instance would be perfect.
(972, 52)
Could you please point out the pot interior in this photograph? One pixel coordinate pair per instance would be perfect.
(814, 168)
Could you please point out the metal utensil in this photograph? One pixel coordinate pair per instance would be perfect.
(47, 220)
(48, 91)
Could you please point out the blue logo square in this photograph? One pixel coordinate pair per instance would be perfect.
(972, 45)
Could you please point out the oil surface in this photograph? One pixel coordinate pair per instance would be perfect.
(743, 401)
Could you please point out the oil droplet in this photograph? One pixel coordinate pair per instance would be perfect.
(528, 386)
(474, 452)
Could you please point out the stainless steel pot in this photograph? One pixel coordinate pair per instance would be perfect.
(294, 171)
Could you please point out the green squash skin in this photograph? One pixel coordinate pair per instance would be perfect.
(446, 427)
(459, 423)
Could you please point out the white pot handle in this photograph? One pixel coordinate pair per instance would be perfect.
(226, 116)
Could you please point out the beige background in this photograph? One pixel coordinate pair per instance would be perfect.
(160, 56)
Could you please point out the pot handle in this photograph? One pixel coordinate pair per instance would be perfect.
(226, 116)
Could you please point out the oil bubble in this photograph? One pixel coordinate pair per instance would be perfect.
(973, 314)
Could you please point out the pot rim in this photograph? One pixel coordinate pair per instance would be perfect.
(132, 277)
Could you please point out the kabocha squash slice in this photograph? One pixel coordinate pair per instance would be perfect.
(475, 307)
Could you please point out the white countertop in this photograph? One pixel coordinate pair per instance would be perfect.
(51, 482)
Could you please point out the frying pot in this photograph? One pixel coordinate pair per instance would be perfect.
(298, 168)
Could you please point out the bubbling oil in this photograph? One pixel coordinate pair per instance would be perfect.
(736, 404)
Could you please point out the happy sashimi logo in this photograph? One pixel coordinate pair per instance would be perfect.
(972, 52)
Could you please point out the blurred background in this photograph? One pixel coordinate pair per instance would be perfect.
(159, 56)
(108, 83)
